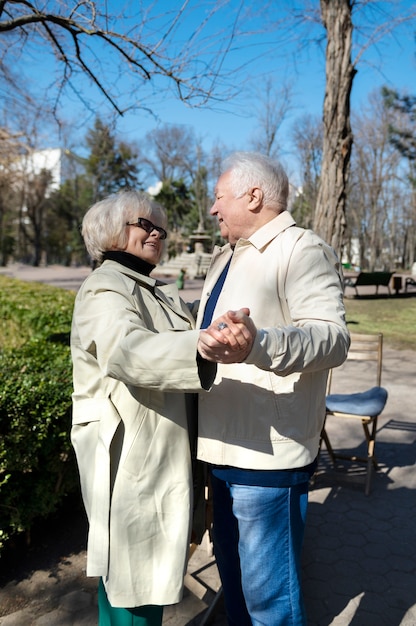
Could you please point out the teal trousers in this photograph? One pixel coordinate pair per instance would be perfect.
(140, 616)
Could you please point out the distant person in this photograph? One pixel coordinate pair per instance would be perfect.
(260, 425)
(180, 281)
(135, 355)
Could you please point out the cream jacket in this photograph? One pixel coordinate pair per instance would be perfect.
(131, 367)
(267, 413)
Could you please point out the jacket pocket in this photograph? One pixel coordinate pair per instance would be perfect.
(102, 410)
(95, 421)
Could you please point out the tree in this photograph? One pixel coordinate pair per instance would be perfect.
(173, 155)
(375, 198)
(275, 104)
(330, 206)
(99, 41)
(402, 135)
(200, 190)
(111, 165)
(330, 217)
(33, 208)
(41, 209)
(176, 198)
(25, 185)
(66, 208)
(10, 151)
(170, 152)
(307, 137)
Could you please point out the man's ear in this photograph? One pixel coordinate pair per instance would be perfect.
(256, 198)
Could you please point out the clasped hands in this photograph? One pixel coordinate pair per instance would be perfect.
(229, 338)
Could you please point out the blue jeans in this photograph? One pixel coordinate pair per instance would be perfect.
(258, 535)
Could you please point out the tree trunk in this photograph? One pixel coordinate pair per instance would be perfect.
(329, 220)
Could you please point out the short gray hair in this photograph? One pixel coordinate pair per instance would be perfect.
(252, 169)
(104, 224)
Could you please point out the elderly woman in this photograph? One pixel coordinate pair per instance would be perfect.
(132, 367)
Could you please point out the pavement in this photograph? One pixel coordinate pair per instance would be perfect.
(359, 558)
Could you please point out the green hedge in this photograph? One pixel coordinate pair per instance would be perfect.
(37, 464)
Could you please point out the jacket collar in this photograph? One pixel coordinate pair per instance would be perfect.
(146, 281)
(165, 292)
(264, 235)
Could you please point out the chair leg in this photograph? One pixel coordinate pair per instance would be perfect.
(371, 457)
(370, 460)
(325, 438)
(368, 476)
(211, 609)
(371, 441)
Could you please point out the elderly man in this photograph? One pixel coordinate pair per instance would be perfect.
(260, 425)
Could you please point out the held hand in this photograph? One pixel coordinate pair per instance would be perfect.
(234, 328)
(229, 338)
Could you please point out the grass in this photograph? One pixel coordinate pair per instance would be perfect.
(395, 317)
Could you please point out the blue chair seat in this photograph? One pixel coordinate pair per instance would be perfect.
(367, 403)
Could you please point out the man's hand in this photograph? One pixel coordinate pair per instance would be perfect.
(229, 338)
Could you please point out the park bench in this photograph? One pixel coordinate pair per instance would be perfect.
(410, 282)
(368, 279)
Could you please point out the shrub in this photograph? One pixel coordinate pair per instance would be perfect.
(37, 465)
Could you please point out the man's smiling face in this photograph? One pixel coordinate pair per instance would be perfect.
(232, 213)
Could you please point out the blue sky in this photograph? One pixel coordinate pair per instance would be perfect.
(268, 45)
(391, 61)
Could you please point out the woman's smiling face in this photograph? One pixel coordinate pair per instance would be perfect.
(146, 246)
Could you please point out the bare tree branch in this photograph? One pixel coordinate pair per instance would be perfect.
(84, 38)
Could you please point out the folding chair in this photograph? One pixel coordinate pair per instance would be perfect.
(364, 406)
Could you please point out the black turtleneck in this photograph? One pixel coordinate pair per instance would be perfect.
(129, 260)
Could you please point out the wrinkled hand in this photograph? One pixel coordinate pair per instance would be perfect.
(229, 338)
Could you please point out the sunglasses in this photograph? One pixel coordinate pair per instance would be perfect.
(148, 226)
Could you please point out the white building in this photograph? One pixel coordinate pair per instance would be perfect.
(55, 160)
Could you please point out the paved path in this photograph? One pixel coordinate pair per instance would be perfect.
(359, 562)
(72, 277)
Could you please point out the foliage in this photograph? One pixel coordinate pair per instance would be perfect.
(403, 139)
(175, 196)
(378, 203)
(49, 222)
(67, 206)
(37, 465)
(35, 200)
(307, 137)
(111, 165)
(7, 198)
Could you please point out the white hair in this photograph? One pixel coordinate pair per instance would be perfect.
(252, 169)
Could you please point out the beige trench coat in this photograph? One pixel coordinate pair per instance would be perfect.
(131, 368)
